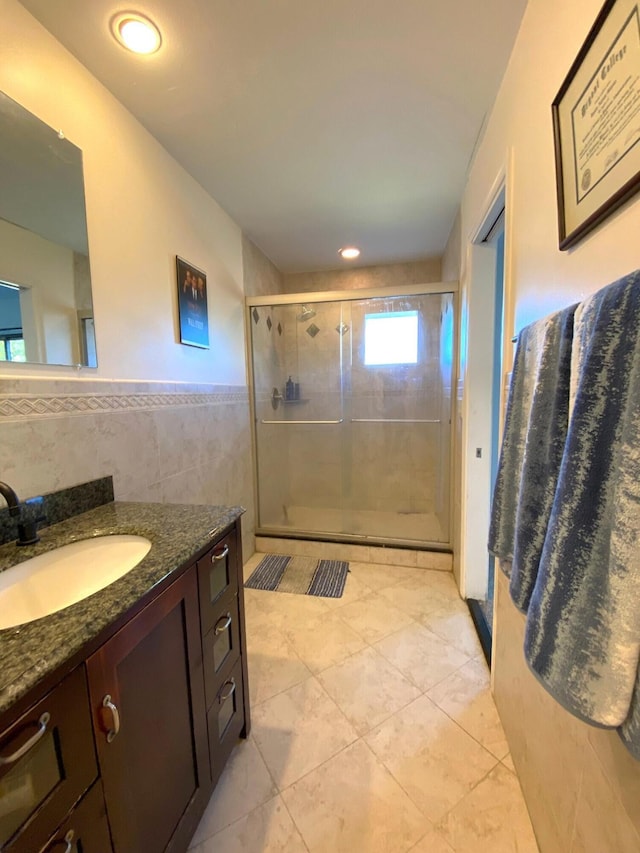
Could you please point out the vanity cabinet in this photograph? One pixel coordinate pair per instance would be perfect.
(123, 754)
(147, 697)
(224, 649)
(86, 829)
(47, 761)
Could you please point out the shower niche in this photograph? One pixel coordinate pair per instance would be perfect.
(351, 403)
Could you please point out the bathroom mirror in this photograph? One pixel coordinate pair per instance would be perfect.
(46, 307)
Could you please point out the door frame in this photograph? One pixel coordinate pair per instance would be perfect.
(476, 373)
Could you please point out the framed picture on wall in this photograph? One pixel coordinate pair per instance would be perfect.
(192, 305)
(596, 124)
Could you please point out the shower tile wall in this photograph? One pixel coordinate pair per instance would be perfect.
(163, 442)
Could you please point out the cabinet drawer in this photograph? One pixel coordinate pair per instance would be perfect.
(47, 761)
(217, 576)
(221, 646)
(86, 830)
(225, 720)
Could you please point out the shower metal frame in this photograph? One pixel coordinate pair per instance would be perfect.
(434, 288)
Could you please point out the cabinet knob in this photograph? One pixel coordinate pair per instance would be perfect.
(108, 704)
(215, 558)
(33, 740)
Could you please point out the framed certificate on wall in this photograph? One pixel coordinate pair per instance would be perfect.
(596, 124)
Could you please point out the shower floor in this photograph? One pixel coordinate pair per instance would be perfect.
(411, 527)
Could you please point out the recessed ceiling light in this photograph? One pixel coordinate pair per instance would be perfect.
(349, 253)
(136, 33)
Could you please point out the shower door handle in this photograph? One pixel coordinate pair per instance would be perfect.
(339, 421)
(393, 421)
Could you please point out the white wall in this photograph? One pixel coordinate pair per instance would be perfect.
(47, 271)
(179, 432)
(541, 277)
(142, 210)
(580, 785)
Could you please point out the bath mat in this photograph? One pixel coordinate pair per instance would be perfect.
(302, 575)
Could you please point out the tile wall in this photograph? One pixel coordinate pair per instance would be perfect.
(581, 785)
(166, 442)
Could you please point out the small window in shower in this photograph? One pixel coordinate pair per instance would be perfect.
(391, 338)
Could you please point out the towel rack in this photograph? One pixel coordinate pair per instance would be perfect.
(339, 421)
(393, 421)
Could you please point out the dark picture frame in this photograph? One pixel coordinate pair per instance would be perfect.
(192, 304)
(596, 124)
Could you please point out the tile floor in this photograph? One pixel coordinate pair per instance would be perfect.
(373, 731)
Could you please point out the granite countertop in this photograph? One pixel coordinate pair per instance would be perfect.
(177, 531)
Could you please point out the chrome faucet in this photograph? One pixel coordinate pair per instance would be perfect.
(27, 530)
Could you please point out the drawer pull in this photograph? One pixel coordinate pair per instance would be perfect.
(107, 703)
(67, 840)
(222, 697)
(221, 628)
(215, 558)
(33, 740)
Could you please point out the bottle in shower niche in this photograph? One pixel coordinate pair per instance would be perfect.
(289, 389)
(296, 390)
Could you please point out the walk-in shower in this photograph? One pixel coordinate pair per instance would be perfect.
(352, 396)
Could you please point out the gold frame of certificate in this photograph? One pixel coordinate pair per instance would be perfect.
(596, 124)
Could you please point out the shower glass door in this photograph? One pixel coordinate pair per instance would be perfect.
(298, 404)
(352, 403)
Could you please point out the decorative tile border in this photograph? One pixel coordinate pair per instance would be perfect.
(29, 406)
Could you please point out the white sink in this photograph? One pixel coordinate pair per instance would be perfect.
(48, 583)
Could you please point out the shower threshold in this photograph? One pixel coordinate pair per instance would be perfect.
(414, 531)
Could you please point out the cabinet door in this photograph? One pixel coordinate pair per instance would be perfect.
(147, 697)
(47, 761)
(86, 829)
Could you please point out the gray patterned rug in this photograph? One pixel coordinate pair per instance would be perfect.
(302, 575)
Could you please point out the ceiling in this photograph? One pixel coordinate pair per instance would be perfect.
(314, 123)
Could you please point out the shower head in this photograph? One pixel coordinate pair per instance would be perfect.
(307, 313)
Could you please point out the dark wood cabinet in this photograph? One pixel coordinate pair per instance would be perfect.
(147, 698)
(86, 829)
(122, 755)
(218, 577)
(224, 648)
(225, 720)
(47, 761)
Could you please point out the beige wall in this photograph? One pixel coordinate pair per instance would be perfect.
(572, 774)
(385, 275)
(261, 277)
(170, 422)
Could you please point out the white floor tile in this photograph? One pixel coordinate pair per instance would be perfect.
(367, 689)
(352, 803)
(298, 730)
(356, 758)
(267, 829)
(435, 761)
(244, 785)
